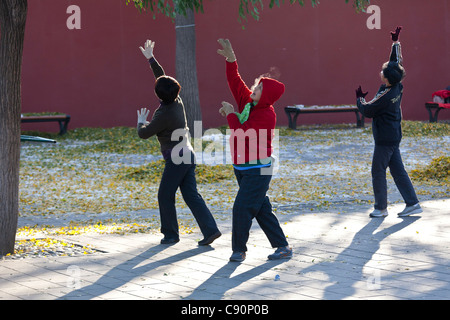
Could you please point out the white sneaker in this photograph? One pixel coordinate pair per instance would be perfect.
(411, 210)
(378, 213)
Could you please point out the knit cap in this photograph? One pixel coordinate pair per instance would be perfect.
(393, 73)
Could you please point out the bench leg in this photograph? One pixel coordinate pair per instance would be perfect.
(359, 119)
(292, 121)
(63, 124)
(433, 118)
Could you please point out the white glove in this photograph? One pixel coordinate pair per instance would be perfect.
(142, 116)
(227, 50)
(148, 51)
(226, 109)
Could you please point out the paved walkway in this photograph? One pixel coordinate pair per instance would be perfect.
(336, 256)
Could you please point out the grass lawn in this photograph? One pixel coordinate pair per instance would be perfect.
(106, 180)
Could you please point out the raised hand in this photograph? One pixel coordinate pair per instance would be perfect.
(396, 33)
(227, 50)
(360, 93)
(142, 115)
(148, 51)
(226, 109)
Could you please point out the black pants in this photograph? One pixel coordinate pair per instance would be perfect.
(182, 176)
(252, 202)
(384, 157)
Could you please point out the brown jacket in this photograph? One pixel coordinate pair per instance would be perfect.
(166, 119)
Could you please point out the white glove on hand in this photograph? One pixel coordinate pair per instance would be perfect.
(227, 50)
(226, 109)
(142, 116)
(148, 51)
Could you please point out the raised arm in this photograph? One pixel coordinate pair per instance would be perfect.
(374, 107)
(147, 129)
(157, 69)
(239, 89)
(396, 51)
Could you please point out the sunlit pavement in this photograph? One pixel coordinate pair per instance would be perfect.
(337, 255)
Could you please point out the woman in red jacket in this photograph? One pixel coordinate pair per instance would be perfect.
(252, 130)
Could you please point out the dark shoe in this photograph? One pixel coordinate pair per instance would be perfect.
(169, 240)
(209, 239)
(237, 256)
(281, 253)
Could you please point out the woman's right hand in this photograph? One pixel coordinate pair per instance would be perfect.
(227, 50)
(148, 51)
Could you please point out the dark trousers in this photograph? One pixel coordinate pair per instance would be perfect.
(182, 176)
(252, 202)
(384, 157)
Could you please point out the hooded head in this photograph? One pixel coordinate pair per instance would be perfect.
(271, 91)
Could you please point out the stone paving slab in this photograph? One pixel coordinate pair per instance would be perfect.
(336, 256)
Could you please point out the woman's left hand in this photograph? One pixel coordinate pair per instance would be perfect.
(142, 115)
(226, 109)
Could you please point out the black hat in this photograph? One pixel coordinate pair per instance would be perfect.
(393, 72)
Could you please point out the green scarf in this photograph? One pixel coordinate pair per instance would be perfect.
(243, 116)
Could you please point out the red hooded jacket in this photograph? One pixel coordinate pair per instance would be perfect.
(252, 140)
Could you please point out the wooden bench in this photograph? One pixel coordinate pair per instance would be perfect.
(293, 112)
(436, 107)
(63, 120)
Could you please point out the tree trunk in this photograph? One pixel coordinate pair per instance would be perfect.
(13, 15)
(186, 67)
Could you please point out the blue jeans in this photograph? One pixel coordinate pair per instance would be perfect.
(252, 202)
(182, 176)
(384, 157)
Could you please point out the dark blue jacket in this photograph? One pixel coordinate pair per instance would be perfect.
(385, 109)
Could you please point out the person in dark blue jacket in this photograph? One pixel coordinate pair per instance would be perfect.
(386, 113)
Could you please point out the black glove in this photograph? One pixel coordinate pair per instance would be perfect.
(360, 94)
(395, 34)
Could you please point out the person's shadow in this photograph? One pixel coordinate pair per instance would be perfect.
(216, 286)
(365, 243)
(123, 273)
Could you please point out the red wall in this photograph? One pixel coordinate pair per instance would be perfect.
(98, 75)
